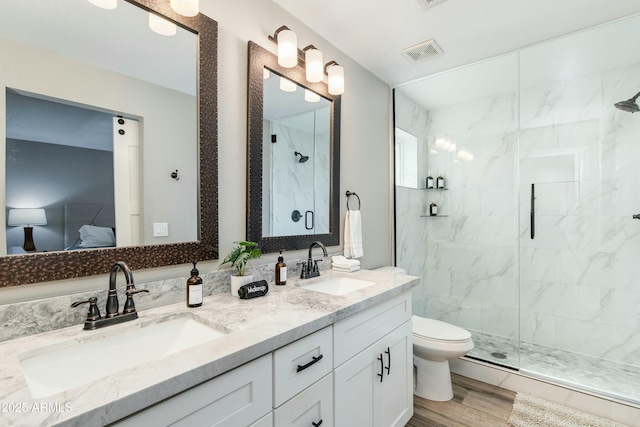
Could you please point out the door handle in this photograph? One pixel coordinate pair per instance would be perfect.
(532, 219)
(313, 361)
(381, 374)
(306, 220)
(388, 368)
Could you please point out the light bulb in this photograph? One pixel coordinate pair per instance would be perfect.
(314, 65)
(287, 85)
(287, 49)
(186, 7)
(310, 96)
(161, 25)
(336, 79)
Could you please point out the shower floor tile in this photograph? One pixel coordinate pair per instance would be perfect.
(594, 375)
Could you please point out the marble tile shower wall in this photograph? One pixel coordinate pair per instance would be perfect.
(33, 317)
(575, 286)
(579, 277)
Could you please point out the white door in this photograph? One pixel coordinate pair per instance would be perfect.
(127, 173)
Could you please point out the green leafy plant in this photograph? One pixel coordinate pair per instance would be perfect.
(243, 252)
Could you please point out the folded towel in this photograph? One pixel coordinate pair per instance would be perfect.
(340, 261)
(345, 269)
(353, 234)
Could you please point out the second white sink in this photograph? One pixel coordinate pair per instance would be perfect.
(65, 366)
(338, 285)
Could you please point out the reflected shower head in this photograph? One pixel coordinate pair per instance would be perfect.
(629, 105)
(302, 158)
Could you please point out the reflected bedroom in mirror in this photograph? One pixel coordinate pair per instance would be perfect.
(95, 131)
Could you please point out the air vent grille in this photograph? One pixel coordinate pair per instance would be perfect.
(423, 51)
(429, 3)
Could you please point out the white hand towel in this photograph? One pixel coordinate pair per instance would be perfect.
(345, 269)
(340, 261)
(353, 234)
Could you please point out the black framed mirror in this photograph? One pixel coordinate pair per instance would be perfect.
(293, 158)
(57, 265)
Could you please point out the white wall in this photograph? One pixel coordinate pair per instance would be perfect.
(364, 141)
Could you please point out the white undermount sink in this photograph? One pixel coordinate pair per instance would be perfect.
(64, 366)
(338, 285)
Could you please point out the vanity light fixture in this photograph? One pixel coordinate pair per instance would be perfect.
(287, 85)
(105, 4)
(335, 73)
(27, 218)
(186, 7)
(311, 57)
(161, 25)
(310, 96)
(313, 64)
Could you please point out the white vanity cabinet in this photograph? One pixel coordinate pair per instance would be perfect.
(240, 397)
(373, 378)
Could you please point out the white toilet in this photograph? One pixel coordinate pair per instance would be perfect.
(434, 344)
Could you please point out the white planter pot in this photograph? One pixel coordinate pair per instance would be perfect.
(237, 281)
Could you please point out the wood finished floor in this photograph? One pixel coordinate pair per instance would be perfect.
(474, 404)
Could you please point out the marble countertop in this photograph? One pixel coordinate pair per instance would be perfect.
(253, 328)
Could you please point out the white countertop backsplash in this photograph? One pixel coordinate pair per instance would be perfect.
(255, 327)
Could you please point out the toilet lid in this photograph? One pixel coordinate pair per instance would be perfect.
(435, 329)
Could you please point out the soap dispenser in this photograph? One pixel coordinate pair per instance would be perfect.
(281, 271)
(440, 181)
(194, 288)
(429, 181)
(433, 208)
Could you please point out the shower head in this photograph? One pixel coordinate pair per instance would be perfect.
(302, 158)
(629, 105)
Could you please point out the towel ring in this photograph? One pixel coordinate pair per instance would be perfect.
(349, 194)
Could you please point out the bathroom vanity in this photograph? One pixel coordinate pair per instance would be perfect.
(297, 356)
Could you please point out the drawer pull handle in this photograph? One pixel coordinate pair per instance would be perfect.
(316, 424)
(388, 368)
(381, 374)
(314, 360)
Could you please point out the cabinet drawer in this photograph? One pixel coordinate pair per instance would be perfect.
(300, 364)
(236, 398)
(314, 405)
(357, 332)
(266, 421)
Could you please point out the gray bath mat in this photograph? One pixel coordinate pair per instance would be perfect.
(531, 411)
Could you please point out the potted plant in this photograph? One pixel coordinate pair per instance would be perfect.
(243, 252)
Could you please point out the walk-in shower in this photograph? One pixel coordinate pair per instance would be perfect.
(535, 246)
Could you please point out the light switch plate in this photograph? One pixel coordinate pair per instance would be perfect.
(160, 229)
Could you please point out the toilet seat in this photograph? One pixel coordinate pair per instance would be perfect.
(435, 330)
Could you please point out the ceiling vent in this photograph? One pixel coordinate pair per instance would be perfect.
(426, 4)
(423, 51)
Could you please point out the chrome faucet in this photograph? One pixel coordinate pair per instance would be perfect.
(310, 269)
(112, 316)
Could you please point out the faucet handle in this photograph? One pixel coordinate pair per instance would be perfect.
(94, 313)
(304, 269)
(129, 305)
(315, 264)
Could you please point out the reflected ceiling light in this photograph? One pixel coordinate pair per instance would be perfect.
(105, 4)
(313, 64)
(287, 47)
(186, 7)
(161, 25)
(310, 96)
(335, 72)
(266, 73)
(287, 85)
